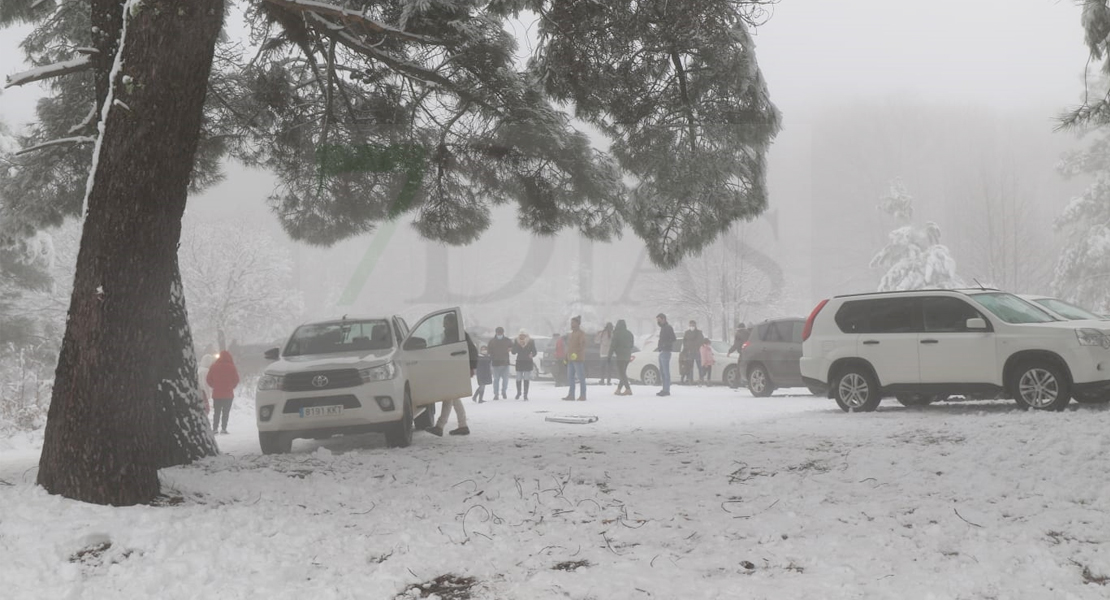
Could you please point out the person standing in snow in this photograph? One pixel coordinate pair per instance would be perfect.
(576, 358)
(691, 352)
(222, 377)
(499, 348)
(604, 341)
(666, 346)
(738, 342)
(525, 351)
(451, 336)
(483, 375)
(705, 371)
(621, 349)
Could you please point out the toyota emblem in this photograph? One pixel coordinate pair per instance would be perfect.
(319, 381)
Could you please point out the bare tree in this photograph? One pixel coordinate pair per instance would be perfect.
(731, 282)
(238, 282)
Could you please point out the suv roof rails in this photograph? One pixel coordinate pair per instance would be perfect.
(956, 290)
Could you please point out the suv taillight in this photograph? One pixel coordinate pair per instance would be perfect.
(812, 316)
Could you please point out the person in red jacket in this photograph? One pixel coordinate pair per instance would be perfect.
(222, 378)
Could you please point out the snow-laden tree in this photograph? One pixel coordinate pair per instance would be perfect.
(366, 111)
(913, 258)
(1083, 267)
(730, 283)
(239, 282)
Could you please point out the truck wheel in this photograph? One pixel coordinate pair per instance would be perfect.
(275, 442)
(400, 434)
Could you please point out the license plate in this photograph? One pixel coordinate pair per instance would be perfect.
(322, 411)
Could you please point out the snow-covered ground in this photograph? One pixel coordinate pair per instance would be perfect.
(707, 494)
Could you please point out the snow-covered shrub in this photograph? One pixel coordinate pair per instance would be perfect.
(913, 258)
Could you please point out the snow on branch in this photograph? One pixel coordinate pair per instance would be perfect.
(83, 139)
(352, 17)
(74, 65)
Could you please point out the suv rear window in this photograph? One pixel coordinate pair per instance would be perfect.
(880, 315)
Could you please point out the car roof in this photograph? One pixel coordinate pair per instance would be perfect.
(342, 318)
(962, 291)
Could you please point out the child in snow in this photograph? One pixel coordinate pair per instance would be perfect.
(706, 371)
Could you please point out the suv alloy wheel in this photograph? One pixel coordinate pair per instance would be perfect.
(759, 383)
(1042, 386)
(856, 390)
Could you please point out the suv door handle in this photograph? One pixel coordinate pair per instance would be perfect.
(871, 342)
(459, 353)
(930, 341)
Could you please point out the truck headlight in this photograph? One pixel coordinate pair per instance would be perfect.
(269, 381)
(1092, 337)
(379, 373)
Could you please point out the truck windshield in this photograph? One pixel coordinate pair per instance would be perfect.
(340, 336)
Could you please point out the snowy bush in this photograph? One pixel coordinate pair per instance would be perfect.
(26, 382)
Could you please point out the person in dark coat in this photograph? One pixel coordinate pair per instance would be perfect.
(484, 375)
(691, 349)
(499, 348)
(525, 351)
(621, 349)
(741, 338)
(666, 346)
(743, 334)
(222, 378)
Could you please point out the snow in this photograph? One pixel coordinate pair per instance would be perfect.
(47, 71)
(707, 494)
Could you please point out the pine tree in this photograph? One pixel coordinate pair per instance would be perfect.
(1083, 267)
(913, 258)
(365, 112)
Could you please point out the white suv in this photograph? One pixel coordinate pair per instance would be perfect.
(358, 375)
(924, 345)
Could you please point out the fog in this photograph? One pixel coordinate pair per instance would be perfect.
(956, 99)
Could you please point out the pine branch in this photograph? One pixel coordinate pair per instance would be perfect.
(352, 17)
(84, 139)
(74, 65)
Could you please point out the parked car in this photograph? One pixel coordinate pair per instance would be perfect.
(922, 345)
(645, 366)
(770, 358)
(358, 375)
(1063, 310)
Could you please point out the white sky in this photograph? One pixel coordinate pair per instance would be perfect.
(1004, 53)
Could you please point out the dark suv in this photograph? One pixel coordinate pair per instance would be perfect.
(769, 359)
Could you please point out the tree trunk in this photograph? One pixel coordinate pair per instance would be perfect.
(124, 399)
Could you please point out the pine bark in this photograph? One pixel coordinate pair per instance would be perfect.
(124, 400)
